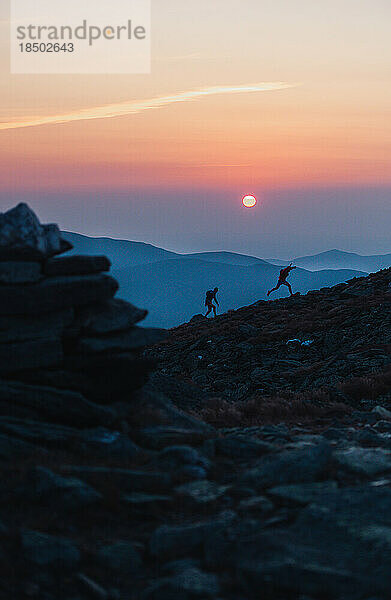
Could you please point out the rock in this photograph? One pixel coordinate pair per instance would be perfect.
(59, 406)
(368, 462)
(383, 426)
(97, 443)
(291, 466)
(45, 550)
(35, 432)
(183, 462)
(189, 584)
(301, 493)
(189, 472)
(110, 317)
(221, 537)
(22, 236)
(14, 449)
(185, 395)
(63, 493)
(382, 412)
(197, 319)
(20, 272)
(120, 557)
(126, 480)
(167, 413)
(201, 492)
(76, 265)
(92, 588)
(256, 504)
(146, 502)
(257, 374)
(20, 328)
(89, 374)
(159, 437)
(180, 565)
(132, 339)
(248, 330)
(56, 293)
(242, 448)
(30, 354)
(170, 541)
(279, 576)
(103, 443)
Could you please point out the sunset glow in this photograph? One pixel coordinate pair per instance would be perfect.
(285, 99)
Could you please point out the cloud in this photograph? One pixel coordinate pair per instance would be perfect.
(135, 107)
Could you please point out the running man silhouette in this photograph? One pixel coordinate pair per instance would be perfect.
(282, 280)
(210, 296)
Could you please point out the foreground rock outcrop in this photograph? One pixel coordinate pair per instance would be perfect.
(122, 483)
(60, 325)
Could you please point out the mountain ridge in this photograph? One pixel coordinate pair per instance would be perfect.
(173, 285)
(337, 258)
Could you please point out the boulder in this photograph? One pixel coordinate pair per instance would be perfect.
(104, 381)
(291, 466)
(11, 448)
(20, 272)
(189, 584)
(175, 541)
(56, 293)
(120, 557)
(43, 486)
(368, 462)
(256, 504)
(301, 493)
(110, 317)
(126, 480)
(45, 550)
(159, 437)
(76, 265)
(35, 432)
(22, 236)
(166, 413)
(48, 404)
(132, 339)
(201, 492)
(20, 328)
(30, 354)
(242, 448)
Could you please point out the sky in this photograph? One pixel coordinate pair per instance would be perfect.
(289, 100)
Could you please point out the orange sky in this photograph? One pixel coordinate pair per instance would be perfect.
(330, 126)
(333, 125)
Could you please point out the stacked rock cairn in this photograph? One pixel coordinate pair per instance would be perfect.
(67, 346)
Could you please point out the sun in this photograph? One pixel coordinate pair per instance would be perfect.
(249, 201)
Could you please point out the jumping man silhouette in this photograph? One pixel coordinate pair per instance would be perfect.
(282, 280)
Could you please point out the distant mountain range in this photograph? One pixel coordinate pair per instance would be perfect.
(122, 253)
(172, 286)
(337, 259)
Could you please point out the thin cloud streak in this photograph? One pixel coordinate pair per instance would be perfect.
(134, 107)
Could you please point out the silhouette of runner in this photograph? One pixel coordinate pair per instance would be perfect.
(210, 296)
(282, 280)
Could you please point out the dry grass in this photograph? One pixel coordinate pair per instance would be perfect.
(369, 387)
(259, 410)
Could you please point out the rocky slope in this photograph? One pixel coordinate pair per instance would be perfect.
(249, 466)
(329, 346)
